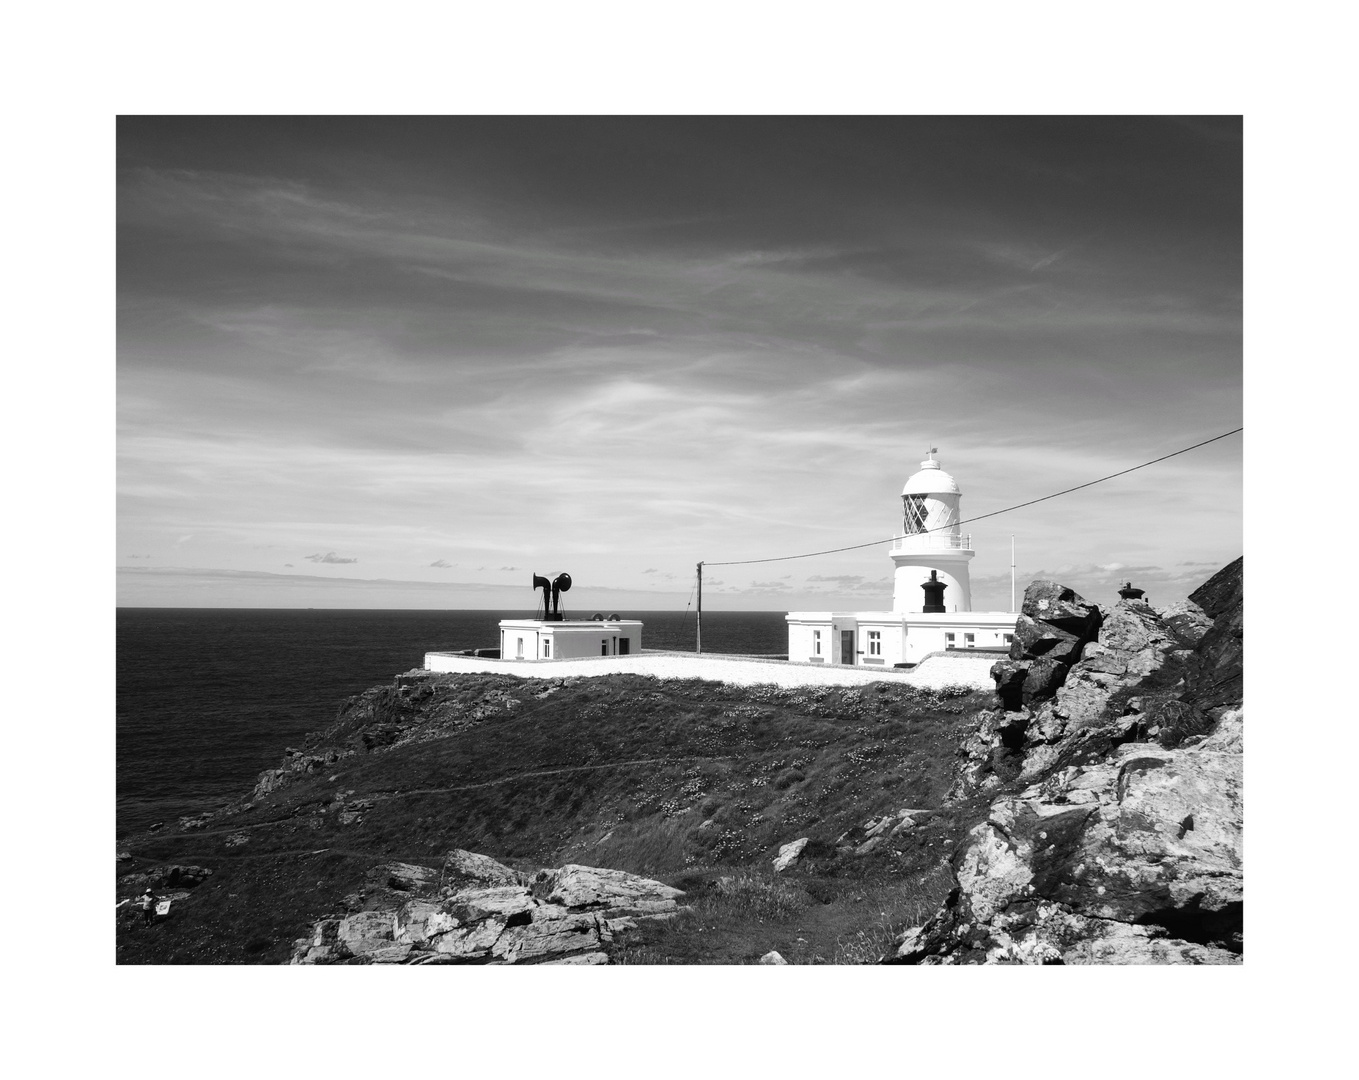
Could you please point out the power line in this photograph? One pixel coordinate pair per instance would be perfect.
(980, 517)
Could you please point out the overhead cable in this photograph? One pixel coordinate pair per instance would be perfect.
(979, 517)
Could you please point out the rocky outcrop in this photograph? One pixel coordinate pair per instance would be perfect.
(1123, 842)
(1217, 680)
(1054, 626)
(1133, 860)
(478, 911)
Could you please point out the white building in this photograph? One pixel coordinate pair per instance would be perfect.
(538, 639)
(931, 592)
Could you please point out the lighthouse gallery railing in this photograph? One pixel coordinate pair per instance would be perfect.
(933, 541)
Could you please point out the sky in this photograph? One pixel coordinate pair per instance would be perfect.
(411, 362)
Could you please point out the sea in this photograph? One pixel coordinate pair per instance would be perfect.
(208, 698)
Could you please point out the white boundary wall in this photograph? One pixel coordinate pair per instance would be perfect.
(956, 668)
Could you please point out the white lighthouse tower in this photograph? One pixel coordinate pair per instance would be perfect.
(932, 546)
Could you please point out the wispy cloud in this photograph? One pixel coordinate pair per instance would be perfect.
(528, 359)
(329, 557)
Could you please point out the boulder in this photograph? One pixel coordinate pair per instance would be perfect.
(772, 957)
(789, 854)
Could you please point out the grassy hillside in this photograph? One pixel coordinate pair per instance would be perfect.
(696, 784)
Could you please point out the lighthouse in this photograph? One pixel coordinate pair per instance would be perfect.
(931, 594)
(931, 546)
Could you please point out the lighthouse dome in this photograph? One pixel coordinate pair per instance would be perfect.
(931, 480)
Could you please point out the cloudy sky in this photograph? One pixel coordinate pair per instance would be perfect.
(410, 362)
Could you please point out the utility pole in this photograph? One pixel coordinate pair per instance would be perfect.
(698, 622)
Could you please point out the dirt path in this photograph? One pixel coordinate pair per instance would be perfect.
(382, 796)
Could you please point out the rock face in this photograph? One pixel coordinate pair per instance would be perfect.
(1054, 626)
(487, 913)
(1123, 842)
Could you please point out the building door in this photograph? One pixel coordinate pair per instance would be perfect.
(846, 646)
(624, 644)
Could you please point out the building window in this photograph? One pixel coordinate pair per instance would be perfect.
(816, 642)
(950, 640)
(547, 648)
(916, 513)
(875, 643)
(1009, 638)
(969, 641)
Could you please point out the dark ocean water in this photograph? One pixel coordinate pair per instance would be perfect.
(209, 697)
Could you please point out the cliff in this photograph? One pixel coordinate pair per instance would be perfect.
(1087, 811)
(1123, 840)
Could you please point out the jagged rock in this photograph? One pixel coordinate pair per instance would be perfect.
(569, 915)
(1135, 632)
(365, 931)
(1134, 643)
(463, 867)
(772, 957)
(1034, 639)
(418, 921)
(1009, 676)
(297, 764)
(1054, 626)
(1221, 592)
(1187, 622)
(550, 933)
(581, 887)
(1132, 860)
(1024, 682)
(1217, 679)
(998, 736)
(789, 854)
(499, 901)
(1059, 607)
